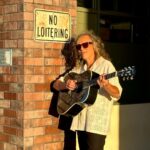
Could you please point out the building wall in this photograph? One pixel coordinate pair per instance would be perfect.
(24, 86)
(130, 127)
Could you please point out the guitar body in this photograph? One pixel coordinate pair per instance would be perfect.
(72, 102)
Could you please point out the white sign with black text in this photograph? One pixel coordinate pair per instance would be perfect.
(51, 25)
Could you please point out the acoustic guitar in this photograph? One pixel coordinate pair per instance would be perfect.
(70, 103)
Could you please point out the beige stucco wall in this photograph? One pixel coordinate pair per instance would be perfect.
(130, 128)
(87, 20)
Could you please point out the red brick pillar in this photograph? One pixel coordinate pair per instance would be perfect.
(24, 86)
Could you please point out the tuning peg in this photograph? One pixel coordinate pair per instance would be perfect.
(123, 78)
(131, 78)
(125, 68)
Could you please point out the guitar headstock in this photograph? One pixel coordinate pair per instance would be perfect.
(127, 73)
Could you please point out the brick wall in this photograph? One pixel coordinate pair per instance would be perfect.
(24, 86)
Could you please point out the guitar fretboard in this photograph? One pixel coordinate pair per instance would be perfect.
(113, 74)
(107, 76)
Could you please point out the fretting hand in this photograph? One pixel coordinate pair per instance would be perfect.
(102, 81)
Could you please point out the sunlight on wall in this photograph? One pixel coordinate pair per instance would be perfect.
(112, 140)
(130, 128)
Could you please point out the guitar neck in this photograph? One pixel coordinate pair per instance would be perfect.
(127, 74)
(107, 76)
(111, 75)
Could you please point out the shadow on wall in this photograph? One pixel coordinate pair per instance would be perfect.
(69, 55)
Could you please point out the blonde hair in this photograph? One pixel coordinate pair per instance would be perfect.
(97, 44)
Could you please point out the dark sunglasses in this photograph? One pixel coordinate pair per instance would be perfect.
(84, 45)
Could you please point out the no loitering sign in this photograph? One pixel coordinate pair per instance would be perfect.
(51, 25)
